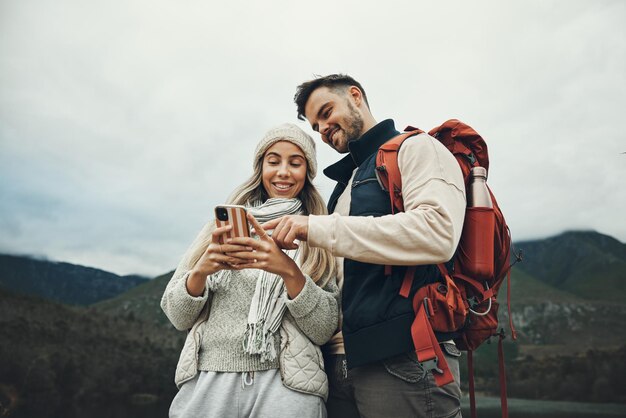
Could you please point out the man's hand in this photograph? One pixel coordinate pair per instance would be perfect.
(288, 229)
(266, 255)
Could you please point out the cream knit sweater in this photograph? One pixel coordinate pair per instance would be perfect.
(314, 310)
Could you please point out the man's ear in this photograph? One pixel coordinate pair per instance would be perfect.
(356, 95)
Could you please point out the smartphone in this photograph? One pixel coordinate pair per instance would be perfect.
(234, 215)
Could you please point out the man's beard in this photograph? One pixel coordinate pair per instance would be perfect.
(354, 127)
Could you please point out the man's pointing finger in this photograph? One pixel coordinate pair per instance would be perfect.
(271, 224)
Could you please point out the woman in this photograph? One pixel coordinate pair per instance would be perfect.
(257, 314)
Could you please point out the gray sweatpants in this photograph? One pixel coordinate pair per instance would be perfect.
(238, 395)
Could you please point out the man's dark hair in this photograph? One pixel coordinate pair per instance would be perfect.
(334, 82)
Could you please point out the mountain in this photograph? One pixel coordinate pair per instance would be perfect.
(568, 293)
(584, 264)
(141, 302)
(570, 345)
(62, 282)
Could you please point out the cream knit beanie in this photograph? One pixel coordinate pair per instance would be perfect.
(295, 135)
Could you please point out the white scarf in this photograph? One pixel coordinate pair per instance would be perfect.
(268, 302)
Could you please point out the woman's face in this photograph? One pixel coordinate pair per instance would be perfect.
(284, 170)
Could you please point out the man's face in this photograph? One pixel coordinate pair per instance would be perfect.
(335, 117)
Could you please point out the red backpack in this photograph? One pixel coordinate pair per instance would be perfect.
(462, 301)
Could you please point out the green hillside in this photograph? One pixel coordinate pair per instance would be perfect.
(55, 358)
(141, 302)
(586, 264)
(527, 289)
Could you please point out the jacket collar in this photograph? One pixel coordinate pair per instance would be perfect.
(360, 150)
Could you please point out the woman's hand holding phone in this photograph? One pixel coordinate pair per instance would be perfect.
(215, 258)
(266, 255)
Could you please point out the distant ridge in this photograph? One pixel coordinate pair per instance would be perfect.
(62, 282)
(574, 265)
(142, 302)
(585, 264)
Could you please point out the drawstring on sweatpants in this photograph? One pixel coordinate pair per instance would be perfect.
(247, 379)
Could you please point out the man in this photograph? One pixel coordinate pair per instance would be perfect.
(371, 361)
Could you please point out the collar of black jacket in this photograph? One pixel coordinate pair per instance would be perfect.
(360, 150)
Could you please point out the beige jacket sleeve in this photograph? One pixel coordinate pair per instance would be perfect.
(426, 233)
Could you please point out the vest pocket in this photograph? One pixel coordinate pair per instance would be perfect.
(357, 183)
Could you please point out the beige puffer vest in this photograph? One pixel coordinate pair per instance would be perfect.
(301, 361)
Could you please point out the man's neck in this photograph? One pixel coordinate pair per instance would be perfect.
(367, 125)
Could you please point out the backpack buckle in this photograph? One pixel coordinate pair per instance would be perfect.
(471, 157)
(431, 365)
(472, 302)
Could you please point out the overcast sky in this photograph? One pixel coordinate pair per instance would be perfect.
(122, 123)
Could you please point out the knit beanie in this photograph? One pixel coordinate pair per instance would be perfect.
(291, 133)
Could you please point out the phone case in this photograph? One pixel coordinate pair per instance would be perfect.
(236, 218)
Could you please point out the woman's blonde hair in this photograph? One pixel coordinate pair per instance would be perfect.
(316, 262)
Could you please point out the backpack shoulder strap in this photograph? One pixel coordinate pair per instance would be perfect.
(387, 169)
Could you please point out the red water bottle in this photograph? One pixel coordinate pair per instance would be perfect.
(477, 241)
